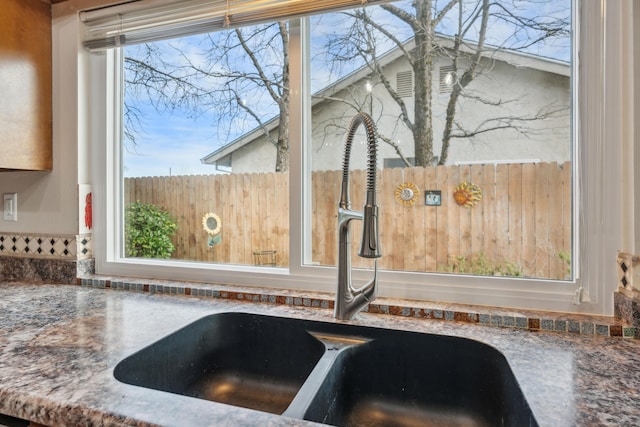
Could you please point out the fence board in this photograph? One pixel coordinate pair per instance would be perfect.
(234, 231)
(453, 178)
(318, 234)
(255, 216)
(443, 218)
(204, 193)
(245, 215)
(176, 184)
(528, 218)
(515, 213)
(465, 217)
(281, 197)
(489, 202)
(270, 212)
(407, 213)
(502, 181)
(567, 206)
(479, 212)
(398, 236)
(543, 244)
(417, 228)
(430, 219)
(387, 228)
(195, 200)
(216, 206)
(555, 222)
(330, 216)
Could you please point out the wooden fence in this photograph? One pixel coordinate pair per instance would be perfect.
(523, 219)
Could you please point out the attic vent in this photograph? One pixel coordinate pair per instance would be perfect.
(447, 78)
(404, 84)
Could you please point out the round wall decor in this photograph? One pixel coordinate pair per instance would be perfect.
(407, 193)
(211, 223)
(467, 194)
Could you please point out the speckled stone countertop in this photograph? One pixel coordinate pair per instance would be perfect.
(59, 345)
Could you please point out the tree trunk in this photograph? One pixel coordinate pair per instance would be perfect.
(423, 86)
(282, 146)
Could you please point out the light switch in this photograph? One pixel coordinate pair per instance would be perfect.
(11, 206)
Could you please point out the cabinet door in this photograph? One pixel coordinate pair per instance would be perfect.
(25, 85)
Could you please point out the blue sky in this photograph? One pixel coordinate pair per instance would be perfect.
(172, 143)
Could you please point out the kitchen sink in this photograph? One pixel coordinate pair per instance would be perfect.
(256, 362)
(410, 379)
(331, 373)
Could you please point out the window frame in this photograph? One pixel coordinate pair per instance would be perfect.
(593, 252)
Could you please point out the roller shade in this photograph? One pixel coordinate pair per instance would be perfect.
(144, 21)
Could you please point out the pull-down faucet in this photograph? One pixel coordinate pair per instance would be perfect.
(350, 300)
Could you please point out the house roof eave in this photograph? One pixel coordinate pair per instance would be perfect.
(240, 142)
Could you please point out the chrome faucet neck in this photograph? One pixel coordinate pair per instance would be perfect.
(350, 300)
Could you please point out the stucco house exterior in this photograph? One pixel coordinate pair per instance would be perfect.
(528, 97)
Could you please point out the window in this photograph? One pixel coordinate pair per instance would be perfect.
(203, 142)
(315, 119)
(498, 216)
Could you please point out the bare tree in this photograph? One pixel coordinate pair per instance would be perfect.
(236, 64)
(230, 67)
(467, 51)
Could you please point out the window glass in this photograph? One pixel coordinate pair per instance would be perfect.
(474, 133)
(474, 139)
(205, 158)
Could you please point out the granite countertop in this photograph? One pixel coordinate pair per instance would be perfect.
(60, 343)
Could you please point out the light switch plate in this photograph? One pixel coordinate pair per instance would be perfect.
(10, 206)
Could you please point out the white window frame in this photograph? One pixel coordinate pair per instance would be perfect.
(595, 242)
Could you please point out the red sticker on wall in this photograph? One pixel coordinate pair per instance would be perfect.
(88, 216)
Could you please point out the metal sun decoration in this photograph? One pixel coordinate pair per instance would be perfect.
(406, 194)
(467, 194)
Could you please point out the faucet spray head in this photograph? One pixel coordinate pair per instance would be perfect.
(370, 244)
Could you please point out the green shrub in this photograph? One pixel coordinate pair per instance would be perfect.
(480, 265)
(148, 230)
(566, 258)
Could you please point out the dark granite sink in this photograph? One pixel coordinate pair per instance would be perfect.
(335, 374)
(410, 379)
(256, 362)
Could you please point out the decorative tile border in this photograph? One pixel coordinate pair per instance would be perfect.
(626, 301)
(65, 247)
(524, 321)
(84, 245)
(628, 271)
(625, 270)
(572, 324)
(204, 291)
